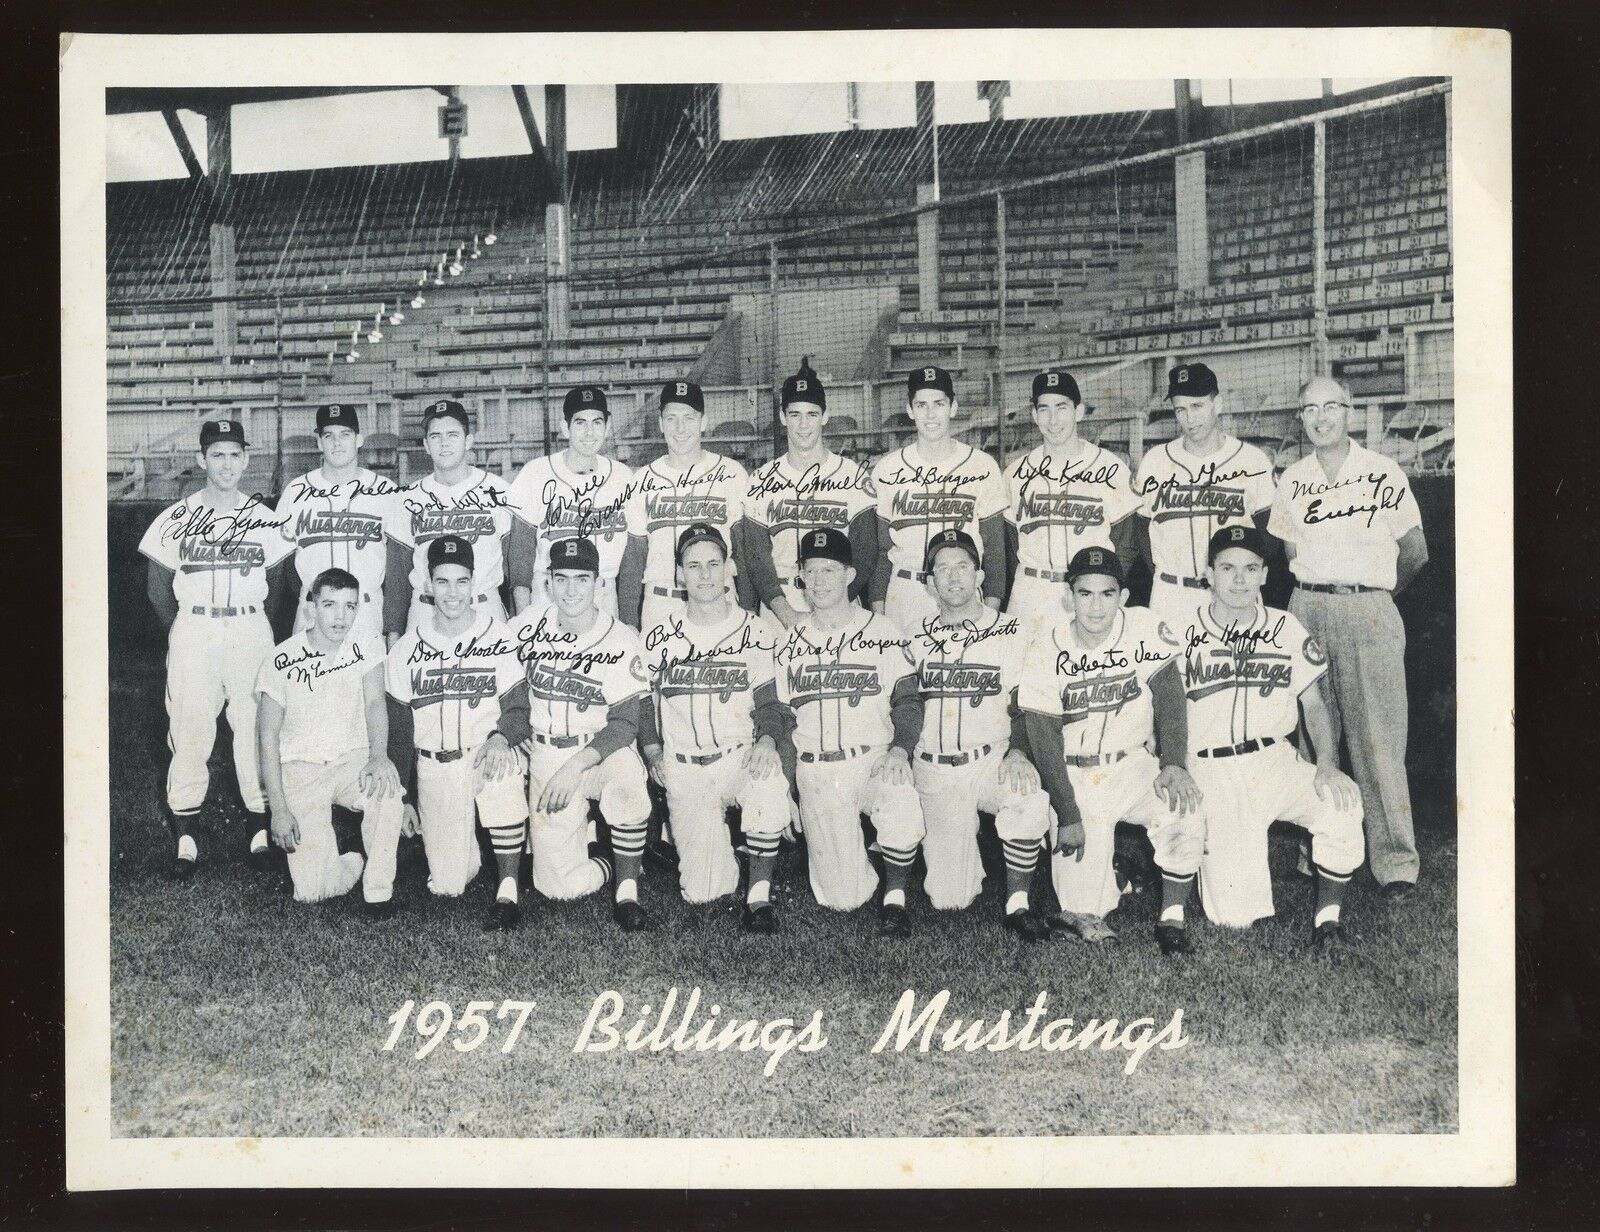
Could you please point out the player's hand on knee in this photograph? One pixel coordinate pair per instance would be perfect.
(410, 823)
(1070, 840)
(285, 829)
(654, 765)
(563, 785)
(877, 606)
(1017, 774)
(1336, 787)
(893, 769)
(761, 760)
(495, 760)
(1178, 790)
(379, 779)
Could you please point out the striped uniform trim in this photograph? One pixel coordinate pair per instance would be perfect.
(1022, 857)
(1339, 877)
(900, 859)
(628, 840)
(605, 868)
(507, 840)
(1177, 878)
(762, 844)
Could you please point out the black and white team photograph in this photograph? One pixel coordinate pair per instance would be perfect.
(825, 610)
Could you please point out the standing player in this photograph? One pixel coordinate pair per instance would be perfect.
(1350, 525)
(324, 733)
(1193, 486)
(334, 518)
(971, 755)
(580, 711)
(215, 568)
(1244, 669)
(712, 726)
(1098, 687)
(687, 484)
(575, 493)
(935, 483)
(849, 683)
(450, 678)
(456, 499)
(1066, 495)
(807, 488)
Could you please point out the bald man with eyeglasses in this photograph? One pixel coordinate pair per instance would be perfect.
(1349, 521)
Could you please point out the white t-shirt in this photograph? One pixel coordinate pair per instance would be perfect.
(324, 704)
(1345, 530)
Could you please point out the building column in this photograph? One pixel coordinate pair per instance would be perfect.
(224, 270)
(927, 172)
(557, 231)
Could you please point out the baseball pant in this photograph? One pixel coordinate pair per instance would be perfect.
(1244, 795)
(909, 604)
(1038, 604)
(952, 797)
(422, 607)
(697, 797)
(1086, 884)
(1175, 605)
(605, 592)
(1366, 644)
(211, 663)
(311, 790)
(560, 841)
(833, 797)
(447, 792)
(368, 622)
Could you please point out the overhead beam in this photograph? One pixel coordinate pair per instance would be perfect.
(180, 138)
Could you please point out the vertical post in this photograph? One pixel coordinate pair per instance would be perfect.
(772, 347)
(1319, 246)
(454, 95)
(557, 235)
(1192, 223)
(219, 179)
(277, 329)
(544, 372)
(998, 381)
(927, 172)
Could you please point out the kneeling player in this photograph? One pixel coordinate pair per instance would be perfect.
(580, 713)
(449, 678)
(970, 757)
(1243, 670)
(1097, 687)
(847, 677)
(324, 732)
(715, 710)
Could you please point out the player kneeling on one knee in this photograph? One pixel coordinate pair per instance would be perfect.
(579, 712)
(449, 679)
(712, 725)
(971, 754)
(1097, 687)
(1244, 669)
(323, 729)
(847, 678)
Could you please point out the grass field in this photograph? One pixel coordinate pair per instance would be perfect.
(237, 1012)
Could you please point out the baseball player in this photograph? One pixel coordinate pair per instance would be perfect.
(449, 680)
(687, 484)
(1244, 668)
(585, 678)
(847, 678)
(1351, 528)
(971, 755)
(712, 726)
(1193, 486)
(324, 733)
(808, 487)
(215, 568)
(1065, 495)
(456, 499)
(934, 483)
(577, 492)
(1097, 688)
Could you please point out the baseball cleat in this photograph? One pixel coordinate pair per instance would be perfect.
(630, 917)
(894, 921)
(759, 918)
(261, 859)
(661, 856)
(1028, 926)
(1173, 939)
(381, 911)
(1330, 936)
(1400, 891)
(182, 870)
(502, 917)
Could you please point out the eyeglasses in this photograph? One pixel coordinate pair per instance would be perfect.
(1311, 407)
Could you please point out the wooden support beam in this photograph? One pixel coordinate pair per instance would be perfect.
(180, 138)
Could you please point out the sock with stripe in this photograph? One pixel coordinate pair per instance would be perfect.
(1022, 859)
(627, 844)
(896, 873)
(1330, 894)
(183, 824)
(763, 857)
(1175, 890)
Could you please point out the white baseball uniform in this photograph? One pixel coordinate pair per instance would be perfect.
(574, 681)
(704, 680)
(476, 510)
(560, 503)
(1243, 684)
(968, 675)
(784, 503)
(453, 684)
(1187, 500)
(1102, 695)
(339, 526)
(1059, 506)
(666, 500)
(219, 558)
(839, 683)
(918, 498)
(323, 747)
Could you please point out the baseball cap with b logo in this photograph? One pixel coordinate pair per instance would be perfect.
(214, 430)
(1191, 381)
(700, 532)
(804, 386)
(825, 543)
(1103, 562)
(445, 408)
(687, 393)
(1249, 538)
(337, 415)
(950, 538)
(584, 398)
(449, 550)
(576, 555)
(930, 378)
(1056, 381)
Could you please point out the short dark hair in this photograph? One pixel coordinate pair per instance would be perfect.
(334, 579)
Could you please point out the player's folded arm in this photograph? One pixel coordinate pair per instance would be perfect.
(1171, 707)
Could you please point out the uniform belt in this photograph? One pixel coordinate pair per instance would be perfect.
(446, 756)
(667, 592)
(955, 759)
(835, 754)
(1234, 750)
(1049, 575)
(428, 599)
(225, 611)
(705, 759)
(560, 742)
(1337, 588)
(1175, 580)
(1082, 760)
(910, 576)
